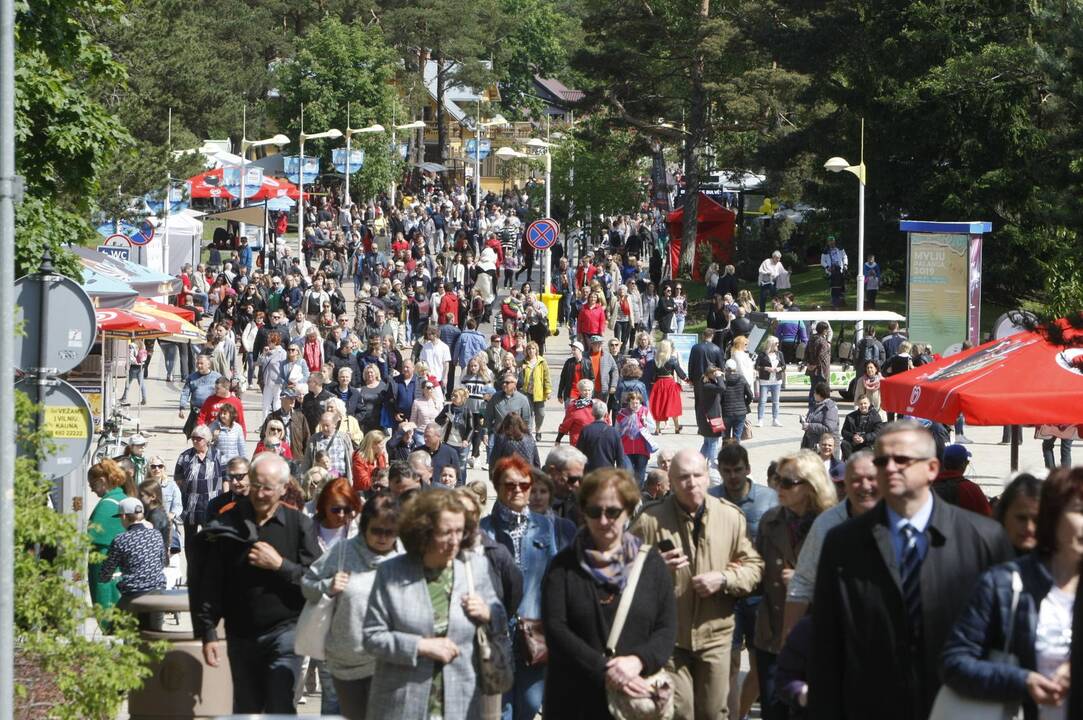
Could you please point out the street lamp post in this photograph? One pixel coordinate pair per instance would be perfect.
(332, 133)
(547, 146)
(415, 125)
(838, 164)
(350, 132)
(278, 139)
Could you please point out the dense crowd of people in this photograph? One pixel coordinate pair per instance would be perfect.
(616, 576)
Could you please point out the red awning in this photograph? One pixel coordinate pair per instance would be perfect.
(1022, 379)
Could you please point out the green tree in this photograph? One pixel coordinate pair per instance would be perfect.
(596, 170)
(460, 36)
(969, 114)
(64, 135)
(61, 671)
(341, 69)
(543, 36)
(687, 73)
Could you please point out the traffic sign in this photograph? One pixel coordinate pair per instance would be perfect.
(145, 234)
(121, 253)
(69, 325)
(118, 240)
(543, 234)
(66, 419)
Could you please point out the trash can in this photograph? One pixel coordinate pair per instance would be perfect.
(181, 685)
(552, 305)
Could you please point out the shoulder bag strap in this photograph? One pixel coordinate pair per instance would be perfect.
(626, 601)
(469, 576)
(1017, 590)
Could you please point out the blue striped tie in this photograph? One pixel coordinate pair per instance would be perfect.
(910, 573)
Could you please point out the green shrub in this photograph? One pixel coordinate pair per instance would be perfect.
(62, 673)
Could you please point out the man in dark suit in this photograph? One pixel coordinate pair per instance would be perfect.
(891, 583)
(703, 355)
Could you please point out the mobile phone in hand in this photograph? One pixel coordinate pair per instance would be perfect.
(665, 545)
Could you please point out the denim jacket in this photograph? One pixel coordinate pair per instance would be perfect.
(540, 543)
(758, 501)
(983, 627)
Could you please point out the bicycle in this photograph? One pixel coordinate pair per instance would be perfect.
(112, 440)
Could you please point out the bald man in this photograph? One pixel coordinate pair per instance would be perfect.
(705, 543)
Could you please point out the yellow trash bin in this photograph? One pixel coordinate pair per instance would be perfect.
(552, 301)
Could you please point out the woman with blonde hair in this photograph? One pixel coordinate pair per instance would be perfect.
(344, 421)
(536, 384)
(665, 393)
(771, 368)
(371, 455)
(804, 491)
(421, 371)
(739, 354)
(745, 301)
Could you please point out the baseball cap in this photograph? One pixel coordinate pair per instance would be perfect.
(137, 439)
(129, 506)
(956, 455)
(596, 338)
(731, 364)
(577, 344)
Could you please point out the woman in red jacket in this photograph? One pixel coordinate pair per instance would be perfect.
(592, 319)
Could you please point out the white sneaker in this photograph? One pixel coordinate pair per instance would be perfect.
(776, 423)
(759, 423)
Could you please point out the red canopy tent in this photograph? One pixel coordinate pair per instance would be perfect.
(210, 184)
(715, 227)
(1022, 379)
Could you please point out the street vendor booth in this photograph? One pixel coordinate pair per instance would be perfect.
(714, 229)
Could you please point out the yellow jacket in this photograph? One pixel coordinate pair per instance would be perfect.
(723, 541)
(535, 382)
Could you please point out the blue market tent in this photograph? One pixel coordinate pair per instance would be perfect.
(107, 292)
(144, 281)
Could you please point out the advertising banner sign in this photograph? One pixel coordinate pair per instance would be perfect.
(338, 159)
(290, 164)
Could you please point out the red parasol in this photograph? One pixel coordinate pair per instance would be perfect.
(131, 324)
(275, 188)
(1022, 379)
(210, 184)
(180, 312)
(147, 320)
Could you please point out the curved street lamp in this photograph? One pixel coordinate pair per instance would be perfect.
(332, 133)
(837, 165)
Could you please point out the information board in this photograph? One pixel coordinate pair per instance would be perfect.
(938, 292)
(682, 346)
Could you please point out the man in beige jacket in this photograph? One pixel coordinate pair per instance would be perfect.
(713, 563)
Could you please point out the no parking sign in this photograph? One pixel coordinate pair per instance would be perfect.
(543, 234)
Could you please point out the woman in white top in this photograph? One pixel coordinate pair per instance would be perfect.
(770, 367)
(1042, 585)
(739, 354)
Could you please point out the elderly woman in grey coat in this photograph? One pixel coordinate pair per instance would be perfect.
(422, 617)
(350, 667)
